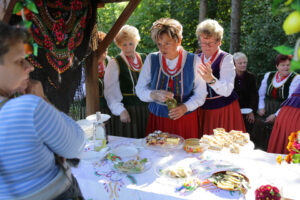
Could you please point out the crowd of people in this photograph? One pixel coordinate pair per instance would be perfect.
(211, 88)
(207, 91)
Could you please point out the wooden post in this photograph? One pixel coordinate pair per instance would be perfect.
(118, 24)
(91, 70)
(92, 84)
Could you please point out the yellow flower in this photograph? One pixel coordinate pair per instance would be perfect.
(279, 159)
(288, 158)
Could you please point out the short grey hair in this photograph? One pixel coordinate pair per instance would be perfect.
(239, 55)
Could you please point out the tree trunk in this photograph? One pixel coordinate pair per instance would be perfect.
(202, 10)
(235, 30)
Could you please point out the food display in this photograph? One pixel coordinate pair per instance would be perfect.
(192, 145)
(163, 140)
(232, 140)
(132, 166)
(176, 172)
(229, 180)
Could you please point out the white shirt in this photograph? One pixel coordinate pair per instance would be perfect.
(263, 87)
(225, 84)
(143, 89)
(112, 91)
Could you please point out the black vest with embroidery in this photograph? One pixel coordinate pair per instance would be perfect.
(213, 100)
(128, 80)
(282, 92)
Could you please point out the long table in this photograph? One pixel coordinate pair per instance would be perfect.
(98, 179)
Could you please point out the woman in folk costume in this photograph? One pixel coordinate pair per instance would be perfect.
(103, 60)
(275, 87)
(221, 108)
(288, 121)
(171, 73)
(130, 115)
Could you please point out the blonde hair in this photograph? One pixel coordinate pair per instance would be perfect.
(171, 27)
(239, 55)
(127, 32)
(210, 28)
(101, 36)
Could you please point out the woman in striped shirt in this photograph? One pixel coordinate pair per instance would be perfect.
(31, 132)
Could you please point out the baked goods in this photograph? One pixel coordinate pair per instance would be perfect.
(161, 138)
(232, 140)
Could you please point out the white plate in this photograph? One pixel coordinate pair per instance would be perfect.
(92, 118)
(146, 165)
(246, 110)
(125, 151)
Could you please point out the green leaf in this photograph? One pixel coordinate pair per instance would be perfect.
(35, 49)
(285, 50)
(27, 24)
(295, 65)
(276, 4)
(31, 6)
(296, 5)
(17, 8)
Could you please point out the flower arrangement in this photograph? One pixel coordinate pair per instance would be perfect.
(267, 192)
(294, 148)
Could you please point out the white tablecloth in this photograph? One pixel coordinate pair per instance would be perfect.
(99, 181)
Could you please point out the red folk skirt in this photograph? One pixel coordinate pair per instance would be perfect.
(186, 126)
(287, 121)
(228, 117)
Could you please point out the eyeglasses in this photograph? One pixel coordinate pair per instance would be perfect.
(205, 44)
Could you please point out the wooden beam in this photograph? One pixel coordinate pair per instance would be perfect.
(118, 24)
(110, 1)
(9, 11)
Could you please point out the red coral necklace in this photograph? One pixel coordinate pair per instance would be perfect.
(135, 66)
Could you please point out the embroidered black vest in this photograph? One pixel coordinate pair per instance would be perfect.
(128, 80)
(282, 92)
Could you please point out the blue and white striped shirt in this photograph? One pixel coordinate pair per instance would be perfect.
(31, 131)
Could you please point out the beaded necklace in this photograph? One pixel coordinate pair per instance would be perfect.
(279, 79)
(135, 66)
(174, 71)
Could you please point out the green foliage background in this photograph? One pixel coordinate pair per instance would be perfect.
(260, 29)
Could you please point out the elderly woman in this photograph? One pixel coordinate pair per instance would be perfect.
(32, 132)
(170, 73)
(286, 123)
(130, 115)
(246, 88)
(221, 108)
(275, 87)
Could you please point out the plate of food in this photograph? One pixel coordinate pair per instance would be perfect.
(133, 165)
(159, 140)
(173, 172)
(230, 180)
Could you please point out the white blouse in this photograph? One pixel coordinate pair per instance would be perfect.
(112, 91)
(225, 84)
(263, 87)
(143, 89)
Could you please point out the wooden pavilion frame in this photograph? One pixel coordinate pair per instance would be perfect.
(91, 71)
